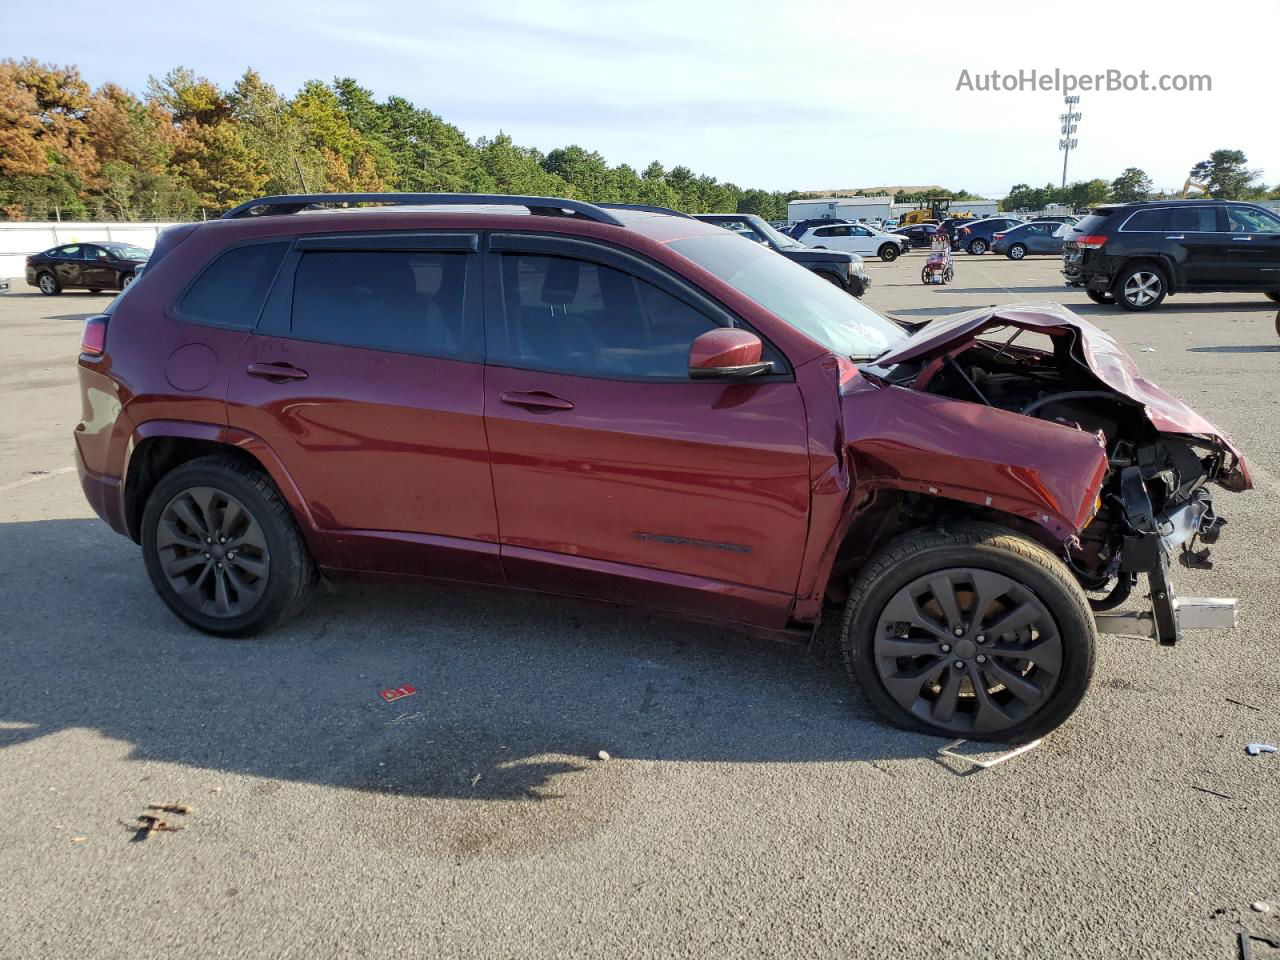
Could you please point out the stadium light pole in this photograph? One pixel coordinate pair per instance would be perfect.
(1069, 126)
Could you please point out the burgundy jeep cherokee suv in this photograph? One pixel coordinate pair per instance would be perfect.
(626, 404)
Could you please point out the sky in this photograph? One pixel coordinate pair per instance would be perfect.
(778, 95)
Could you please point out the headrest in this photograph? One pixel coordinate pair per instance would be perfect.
(561, 285)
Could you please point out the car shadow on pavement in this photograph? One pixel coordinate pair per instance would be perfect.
(512, 691)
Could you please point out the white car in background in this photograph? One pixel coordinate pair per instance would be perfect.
(857, 238)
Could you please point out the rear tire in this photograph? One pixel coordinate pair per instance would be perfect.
(230, 506)
(888, 253)
(48, 284)
(1140, 287)
(1274, 295)
(1033, 674)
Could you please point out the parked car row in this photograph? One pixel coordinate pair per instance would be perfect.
(845, 270)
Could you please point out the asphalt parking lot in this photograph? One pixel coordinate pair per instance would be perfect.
(752, 805)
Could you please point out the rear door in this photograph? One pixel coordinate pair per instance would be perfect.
(617, 476)
(98, 270)
(833, 238)
(365, 379)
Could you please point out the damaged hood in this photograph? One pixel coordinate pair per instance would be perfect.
(1105, 358)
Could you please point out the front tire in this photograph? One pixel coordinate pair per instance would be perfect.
(888, 253)
(1017, 251)
(48, 284)
(1140, 287)
(222, 548)
(1274, 295)
(999, 605)
(1100, 296)
(978, 247)
(127, 279)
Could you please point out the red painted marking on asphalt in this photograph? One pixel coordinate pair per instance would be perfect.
(395, 693)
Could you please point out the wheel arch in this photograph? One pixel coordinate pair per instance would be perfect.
(160, 448)
(891, 512)
(1162, 262)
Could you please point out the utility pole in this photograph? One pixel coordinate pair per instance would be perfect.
(1069, 126)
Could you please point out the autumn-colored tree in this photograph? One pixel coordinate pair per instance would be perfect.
(53, 129)
(220, 167)
(326, 127)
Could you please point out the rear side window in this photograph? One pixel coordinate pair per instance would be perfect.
(1199, 219)
(578, 316)
(403, 301)
(1091, 224)
(231, 290)
(1147, 220)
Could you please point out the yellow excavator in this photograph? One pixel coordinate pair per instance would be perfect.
(936, 209)
(1192, 185)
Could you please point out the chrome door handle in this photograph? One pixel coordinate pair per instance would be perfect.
(1180, 236)
(1238, 239)
(534, 400)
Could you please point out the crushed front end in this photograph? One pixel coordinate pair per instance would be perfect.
(1155, 509)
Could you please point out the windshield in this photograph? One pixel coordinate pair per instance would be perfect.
(818, 309)
(127, 251)
(778, 237)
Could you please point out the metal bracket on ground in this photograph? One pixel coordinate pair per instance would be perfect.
(949, 750)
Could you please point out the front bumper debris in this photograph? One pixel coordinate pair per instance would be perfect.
(1188, 613)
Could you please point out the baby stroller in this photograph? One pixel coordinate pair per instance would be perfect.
(938, 268)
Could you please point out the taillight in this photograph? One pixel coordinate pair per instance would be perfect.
(997, 236)
(1090, 242)
(93, 342)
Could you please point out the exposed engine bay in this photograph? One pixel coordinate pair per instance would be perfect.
(1155, 507)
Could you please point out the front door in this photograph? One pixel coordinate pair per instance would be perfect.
(365, 378)
(616, 476)
(1254, 248)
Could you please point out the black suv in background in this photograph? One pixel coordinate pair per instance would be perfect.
(845, 270)
(1136, 254)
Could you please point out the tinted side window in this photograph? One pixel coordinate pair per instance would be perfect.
(1147, 220)
(576, 316)
(1199, 219)
(1251, 220)
(406, 301)
(231, 290)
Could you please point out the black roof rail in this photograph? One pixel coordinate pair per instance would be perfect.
(293, 203)
(646, 208)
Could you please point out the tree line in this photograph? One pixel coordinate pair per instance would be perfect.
(1224, 175)
(187, 148)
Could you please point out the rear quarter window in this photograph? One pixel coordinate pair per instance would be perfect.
(231, 290)
(1090, 224)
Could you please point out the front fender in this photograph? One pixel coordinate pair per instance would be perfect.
(865, 437)
(1047, 473)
